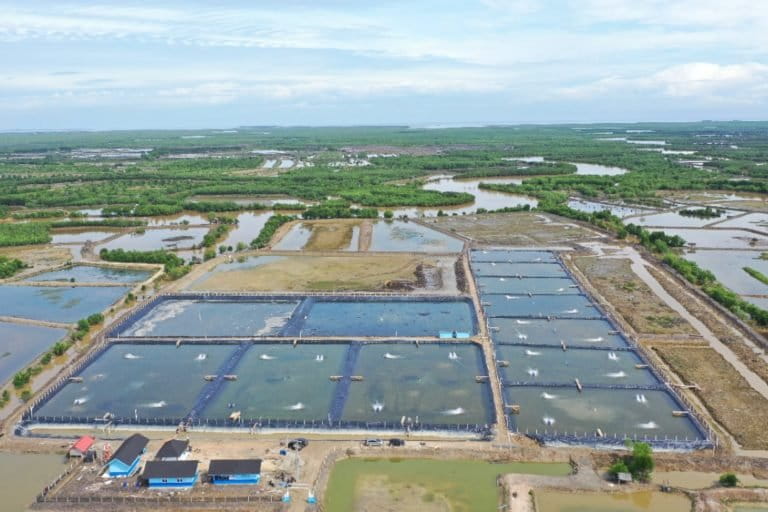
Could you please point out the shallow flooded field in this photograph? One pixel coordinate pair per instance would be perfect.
(93, 274)
(281, 382)
(398, 236)
(728, 267)
(757, 221)
(589, 333)
(248, 227)
(57, 304)
(646, 501)
(213, 318)
(616, 412)
(620, 211)
(417, 484)
(488, 199)
(20, 344)
(674, 219)
(720, 238)
(80, 236)
(154, 239)
(431, 384)
(543, 364)
(139, 381)
(23, 476)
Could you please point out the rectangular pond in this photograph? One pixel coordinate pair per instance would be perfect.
(620, 412)
(213, 318)
(80, 236)
(509, 256)
(561, 306)
(541, 364)
(64, 304)
(720, 238)
(93, 274)
(511, 270)
(21, 344)
(139, 381)
(154, 239)
(728, 267)
(281, 382)
(597, 333)
(363, 317)
(400, 236)
(248, 227)
(431, 382)
(528, 285)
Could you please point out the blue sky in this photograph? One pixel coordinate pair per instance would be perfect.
(164, 64)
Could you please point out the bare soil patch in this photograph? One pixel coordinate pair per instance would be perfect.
(631, 297)
(519, 229)
(726, 394)
(326, 273)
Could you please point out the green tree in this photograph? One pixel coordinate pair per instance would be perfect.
(641, 462)
(729, 480)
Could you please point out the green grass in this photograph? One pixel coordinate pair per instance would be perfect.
(468, 485)
(756, 274)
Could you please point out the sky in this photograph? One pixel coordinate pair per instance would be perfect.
(192, 64)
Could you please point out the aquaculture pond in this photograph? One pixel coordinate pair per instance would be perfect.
(554, 365)
(675, 220)
(728, 267)
(160, 238)
(507, 256)
(392, 484)
(20, 344)
(434, 384)
(23, 476)
(616, 412)
(511, 270)
(248, 227)
(644, 501)
(488, 199)
(66, 304)
(94, 274)
(340, 235)
(756, 221)
(525, 286)
(618, 210)
(720, 238)
(576, 332)
(281, 382)
(138, 381)
(80, 236)
(388, 318)
(180, 317)
(179, 220)
(399, 236)
(234, 265)
(561, 306)
(296, 238)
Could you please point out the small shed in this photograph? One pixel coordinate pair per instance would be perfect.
(170, 473)
(126, 459)
(624, 478)
(81, 446)
(235, 471)
(174, 449)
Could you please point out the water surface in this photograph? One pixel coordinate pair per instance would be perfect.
(575, 332)
(410, 237)
(94, 274)
(23, 476)
(20, 344)
(646, 501)
(562, 306)
(509, 270)
(154, 239)
(64, 304)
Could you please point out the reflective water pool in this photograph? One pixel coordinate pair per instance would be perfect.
(94, 274)
(410, 237)
(78, 236)
(511, 285)
(502, 256)
(21, 344)
(154, 239)
(139, 381)
(563, 306)
(728, 267)
(619, 412)
(434, 383)
(248, 227)
(540, 364)
(510, 270)
(597, 333)
(720, 238)
(57, 304)
(213, 318)
(645, 501)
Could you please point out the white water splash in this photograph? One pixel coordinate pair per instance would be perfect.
(522, 336)
(547, 396)
(454, 412)
(548, 420)
(532, 353)
(594, 340)
(511, 297)
(641, 399)
(319, 358)
(392, 356)
(571, 311)
(616, 375)
(161, 313)
(155, 405)
(266, 357)
(453, 356)
(298, 406)
(533, 372)
(647, 426)
(273, 324)
(201, 357)
(522, 322)
(377, 406)
(80, 401)
(131, 356)
(612, 356)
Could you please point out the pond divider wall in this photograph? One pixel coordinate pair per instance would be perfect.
(554, 437)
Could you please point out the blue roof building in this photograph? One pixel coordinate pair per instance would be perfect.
(235, 471)
(126, 459)
(170, 473)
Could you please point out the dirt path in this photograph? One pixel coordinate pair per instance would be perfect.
(366, 236)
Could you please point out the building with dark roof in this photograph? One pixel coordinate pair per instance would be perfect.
(234, 471)
(126, 459)
(174, 449)
(170, 473)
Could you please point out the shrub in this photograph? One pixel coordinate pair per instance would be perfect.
(729, 480)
